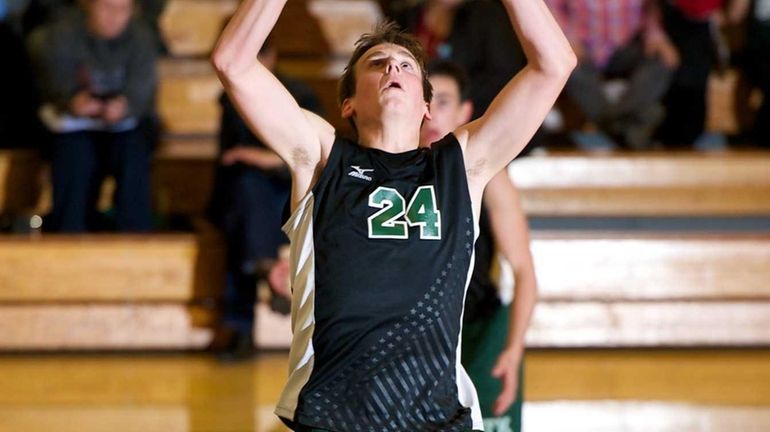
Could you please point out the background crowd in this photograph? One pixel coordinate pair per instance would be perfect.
(79, 84)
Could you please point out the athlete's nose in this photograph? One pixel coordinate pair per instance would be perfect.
(392, 66)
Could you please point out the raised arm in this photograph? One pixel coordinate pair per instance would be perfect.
(300, 138)
(511, 234)
(494, 139)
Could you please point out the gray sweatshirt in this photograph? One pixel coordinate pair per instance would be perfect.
(70, 59)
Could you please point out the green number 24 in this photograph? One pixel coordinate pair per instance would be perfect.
(421, 211)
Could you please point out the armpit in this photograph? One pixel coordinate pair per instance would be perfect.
(300, 157)
(477, 168)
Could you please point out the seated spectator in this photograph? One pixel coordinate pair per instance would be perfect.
(693, 28)
(756, 63)
(251, 187)
(618, 40)
(96, 71)
(432, 22)
(19, 127)
(476, 35)
(486, 46)
(46, 12)
(11, 13)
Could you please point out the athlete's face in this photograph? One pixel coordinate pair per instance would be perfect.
(447, 111)
(388, 83)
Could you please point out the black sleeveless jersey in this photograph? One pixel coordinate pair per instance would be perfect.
(381, 255)
(483, 298)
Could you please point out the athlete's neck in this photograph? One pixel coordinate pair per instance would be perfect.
(392, 136)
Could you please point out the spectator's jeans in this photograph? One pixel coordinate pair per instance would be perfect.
(247, 205)
(81, 160)
(648, 79)
(686, 102)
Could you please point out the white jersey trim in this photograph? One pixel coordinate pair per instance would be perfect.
(299, 229)
(466, 391)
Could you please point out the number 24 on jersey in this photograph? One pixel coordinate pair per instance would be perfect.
(393, 219)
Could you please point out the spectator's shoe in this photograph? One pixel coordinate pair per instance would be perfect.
(637, 134)
(711, 142)
(230, 345)
(241, 348)
(593, 141)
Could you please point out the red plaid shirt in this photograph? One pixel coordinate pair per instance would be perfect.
(699, 9)
(602, 26)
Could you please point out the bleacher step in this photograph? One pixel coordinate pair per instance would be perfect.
(645, 184)
(631, 266)
(111, 268)
(127, 326)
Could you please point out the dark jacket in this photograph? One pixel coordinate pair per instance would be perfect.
(69, 59)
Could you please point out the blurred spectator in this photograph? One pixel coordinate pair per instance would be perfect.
(756, 63)
(18, 119)
(11, 12)
(476, 35)
(432, 22)
(693, 27)
(97, 79)
(42, 12)
(622, 39)
(251, 187)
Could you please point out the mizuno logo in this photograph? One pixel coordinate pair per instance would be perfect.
(360, 173)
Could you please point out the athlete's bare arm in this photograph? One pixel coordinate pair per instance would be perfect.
(494, 139)
(511, 234)
(299, 137)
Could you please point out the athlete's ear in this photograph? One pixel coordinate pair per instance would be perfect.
(347, 109)
(427, 115)
(466, 112)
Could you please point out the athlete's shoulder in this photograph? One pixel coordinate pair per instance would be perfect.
(448, 147)
(449, 139)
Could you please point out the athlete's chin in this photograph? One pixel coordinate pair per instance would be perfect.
(397, 109)
(393, 99)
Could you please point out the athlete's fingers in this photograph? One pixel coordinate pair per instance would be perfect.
(501, 366)
(507, 395)
(503, 402)
(499, 369)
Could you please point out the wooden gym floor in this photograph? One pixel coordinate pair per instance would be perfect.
(567, 390)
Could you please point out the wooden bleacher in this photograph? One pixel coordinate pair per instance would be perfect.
(188, 97)
(183, 176)
(642, 266)
(638, 289)
(645, 184)
(598, 289)
(190, 28)
(189, 88)
(109, 291)
(569, 184)
(110, 268)
(641, 289)
(19, 182)
(129, 325)
(559, 184)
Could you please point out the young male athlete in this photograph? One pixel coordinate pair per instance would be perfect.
(487, 352)
(382, 231)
